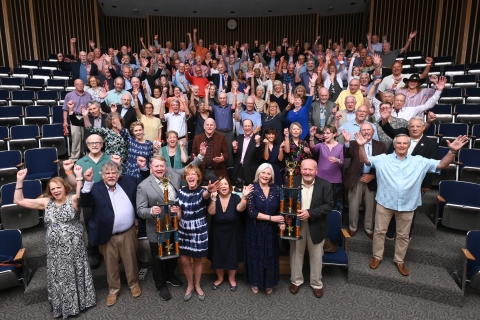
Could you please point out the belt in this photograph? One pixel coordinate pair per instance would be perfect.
(121, 232)
(224, 130)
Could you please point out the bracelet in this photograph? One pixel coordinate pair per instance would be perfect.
(450, 151)
(18, 188)
(244, 200)
(81, 179)
(409, 39)
(68, 172)
(429, 64)
(269, 218)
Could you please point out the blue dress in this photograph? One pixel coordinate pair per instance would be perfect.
(192, 228)
(136, 149)
(301, 116)
(261, 261)
(273, 160)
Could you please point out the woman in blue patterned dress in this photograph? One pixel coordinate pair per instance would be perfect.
(261, 262)
(69, 278)
(192, 227)
(137, 146)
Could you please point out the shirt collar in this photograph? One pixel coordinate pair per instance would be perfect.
(303, 183)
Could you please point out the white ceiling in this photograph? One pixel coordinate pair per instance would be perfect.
(224, 8)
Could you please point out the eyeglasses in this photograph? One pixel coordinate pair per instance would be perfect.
(94, 143)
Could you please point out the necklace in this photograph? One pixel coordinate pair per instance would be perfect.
(268, 118)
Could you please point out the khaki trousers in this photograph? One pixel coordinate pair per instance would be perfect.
(355, 196)
(382, 219)
(122, 247)
(77, 141)
(297, 252)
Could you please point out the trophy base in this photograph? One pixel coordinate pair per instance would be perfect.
(287, 187)
(168, 256)
(166, 231)
(291, 238)
(292, 214)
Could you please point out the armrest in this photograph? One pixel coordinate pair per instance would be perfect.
(19, 255)
(19, 165)
(467, 254)
(473, 137)
(439, 135)
(458, 163)
(345, 234)
(38, 137)
(440, 198)
(56, 161)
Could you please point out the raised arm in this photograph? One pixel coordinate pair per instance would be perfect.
(425, 72)
(18, 198)
(454, 146)
(369, 41)
(410, 37)
(194, 38)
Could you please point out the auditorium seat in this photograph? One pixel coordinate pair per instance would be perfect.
(24, 137)
(52, 57)
(472, 95)
(30, 64)
(449, 173)
(4, 72)
(37, 115)
(33, 84)
(473, 68)
(41, 170)
(409, 70)
(44, 74)
(450, 131)
(11, 116)
(443, 61)
(50, 65)
(47, 97)
(4, 97)
(11, 83)
(475, 138)
(458, 205)
(57, 114)
(413, 55)
(337, 236)
(10, 163)
(23, 97)
(17, 273)
(431, 132)
(468, 168)
(434, 70)
(62, 96)
(70, 86)
(52, 136)
(443, 113)
(467, 113)
(4, 135)
(471, 265)
(407, 63)
(454, 70)
(59, 74)
(451, 95)
(55, 84)
(17, 217)
(465, 81)
(419, 63)
(20, 73)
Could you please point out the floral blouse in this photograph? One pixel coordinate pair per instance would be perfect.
(298, 154)
(114, 143)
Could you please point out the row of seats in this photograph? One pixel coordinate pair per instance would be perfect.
(36, 84)
(30, 97)
(449, 131)
(25, 137)
(18, 115)
(33, 73)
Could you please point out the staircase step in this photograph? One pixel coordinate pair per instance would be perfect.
(424, 281)
(443, 250)
(37, 287)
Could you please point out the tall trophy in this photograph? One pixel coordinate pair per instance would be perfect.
(287, 195)
(166, 226)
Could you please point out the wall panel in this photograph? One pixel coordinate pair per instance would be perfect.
(3, 40)
(120, 31)
(473, 45)
(65, 20)
(350, 27)
(21, 32)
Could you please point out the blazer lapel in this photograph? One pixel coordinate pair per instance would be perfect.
(156, 187)
(419, 146)
(105, 195)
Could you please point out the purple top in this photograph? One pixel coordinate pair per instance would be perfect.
(78, 99)
(331, 172)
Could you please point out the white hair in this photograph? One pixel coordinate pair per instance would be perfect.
(262, 167)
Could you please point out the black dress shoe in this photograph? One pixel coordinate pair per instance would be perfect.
(94, 261)
(174, 281)
(164, 293)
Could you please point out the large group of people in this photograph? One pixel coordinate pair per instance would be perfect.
(220, 122)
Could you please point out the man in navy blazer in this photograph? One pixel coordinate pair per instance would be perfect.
(247, 151)
(111, 224)
(89, 69)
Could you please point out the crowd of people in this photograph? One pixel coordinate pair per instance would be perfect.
(346, 116)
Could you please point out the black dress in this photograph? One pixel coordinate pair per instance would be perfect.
(226, 236)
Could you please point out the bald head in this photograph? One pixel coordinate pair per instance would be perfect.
(126, 100)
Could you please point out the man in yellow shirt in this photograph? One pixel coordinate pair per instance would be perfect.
(354, 90)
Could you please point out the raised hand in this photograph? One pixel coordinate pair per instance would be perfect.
(458, 143)
(257, 139)
(360, 139)
(213, 187)
(68, 165)
(313, 130)
(441, 83)
(314, 79)
(73, 40)
(88, 175)
(78, 171)
(113, 107)
(247, 190)
(235, 145)
(141, 162)
(376, 59)
(116, 158)
(431, 116)
(369, 36)
(377, 81)
(306, 150)
(318, 38)
(84, 111)
(285, 132)
(155, 37)
(412, 34)
(203, 148)
(70, 105)
(21, 174)
(135, 92)
(434, 79)
(346, 135)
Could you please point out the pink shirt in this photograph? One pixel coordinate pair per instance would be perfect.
(246, 141)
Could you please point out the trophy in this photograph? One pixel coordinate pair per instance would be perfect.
(165, 226)
(292, 210)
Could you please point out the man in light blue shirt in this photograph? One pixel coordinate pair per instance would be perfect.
(353, 126)
(249, 113)
(399, 178)
(115, 95)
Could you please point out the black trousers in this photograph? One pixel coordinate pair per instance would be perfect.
(91, 250)
(162, 269)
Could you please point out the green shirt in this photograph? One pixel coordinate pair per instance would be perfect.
(87, 162)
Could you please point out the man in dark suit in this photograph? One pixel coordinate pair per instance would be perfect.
(290, 56)
(97, 119)
(215, 162)
(420, 145)
(320, 113)
(111, 225)
(150, 193)
(247, 152)
(221, 80)
(80, 69)
(360, 179)
(139, 92)
(128, 113)
(317, 203)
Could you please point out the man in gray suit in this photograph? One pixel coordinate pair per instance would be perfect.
(149, 196)
(320, 112)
